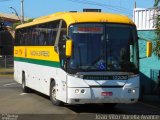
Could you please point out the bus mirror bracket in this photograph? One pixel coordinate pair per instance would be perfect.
(69, 43)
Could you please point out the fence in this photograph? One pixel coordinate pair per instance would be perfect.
(6, 64)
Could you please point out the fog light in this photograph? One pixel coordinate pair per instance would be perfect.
(129, 91)
(82, 91)
(77, 91)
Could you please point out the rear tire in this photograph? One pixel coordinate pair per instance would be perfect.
(25, 89)
(53, 95)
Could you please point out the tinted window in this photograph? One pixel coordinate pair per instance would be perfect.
(39, 35)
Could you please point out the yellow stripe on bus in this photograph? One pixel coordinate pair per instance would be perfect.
(36, 52)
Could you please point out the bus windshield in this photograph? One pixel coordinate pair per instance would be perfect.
(104, 47)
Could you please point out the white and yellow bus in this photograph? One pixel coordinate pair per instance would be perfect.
(79, 58)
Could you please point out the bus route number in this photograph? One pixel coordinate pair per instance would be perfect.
(120, 77)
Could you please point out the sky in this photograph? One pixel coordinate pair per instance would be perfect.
(37, 8)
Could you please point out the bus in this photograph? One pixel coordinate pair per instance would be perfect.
(79, 58)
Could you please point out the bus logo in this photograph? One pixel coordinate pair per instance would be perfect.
(20, 52)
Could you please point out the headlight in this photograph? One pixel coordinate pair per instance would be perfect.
(133, 91)
(77, 91)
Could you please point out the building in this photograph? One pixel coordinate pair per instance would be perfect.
(7, 34)
(149, 67)
(9, 19)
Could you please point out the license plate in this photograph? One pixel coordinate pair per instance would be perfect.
(106, 94)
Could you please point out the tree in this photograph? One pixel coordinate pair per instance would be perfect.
(157, 25)
(18, 23)
(156, 3)
(1, 25)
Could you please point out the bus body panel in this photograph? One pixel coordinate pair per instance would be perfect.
(38, 78)
(80, 17)
(61, 80)
(120, 96)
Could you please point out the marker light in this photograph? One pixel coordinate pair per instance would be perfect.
(129, 91)
(77, 91)
(83, 91)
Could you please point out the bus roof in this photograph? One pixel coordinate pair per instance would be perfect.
(80, 17)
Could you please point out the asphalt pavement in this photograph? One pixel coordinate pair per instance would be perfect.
(14, 101)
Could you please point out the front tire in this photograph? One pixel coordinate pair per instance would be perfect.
(53, 95)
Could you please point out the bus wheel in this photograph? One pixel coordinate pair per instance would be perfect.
(25, 89)
(53, 95)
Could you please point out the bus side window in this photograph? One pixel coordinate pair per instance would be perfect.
(17, 38)
(32, 40)
(41, 38)
(50, 32)
(33, 34)
(37, 37)
(63, 33)
(23, 37)
(61, 44)
(53, 28)
(29, 36)
(25, 41)
(20, 37)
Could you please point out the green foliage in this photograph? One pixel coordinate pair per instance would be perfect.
(15, 25)
(29, 20)
(18, 23)
(156, 3)
(156, 48)
(1, 25)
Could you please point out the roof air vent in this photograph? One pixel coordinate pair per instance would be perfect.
(91, 10)
(72, 11)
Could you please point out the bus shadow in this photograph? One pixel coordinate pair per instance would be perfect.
(94, 108)
(127, 109)
(39, 94)
(133, 109)
(85, 108)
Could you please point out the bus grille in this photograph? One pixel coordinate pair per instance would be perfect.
(105, 77)
(97, 77)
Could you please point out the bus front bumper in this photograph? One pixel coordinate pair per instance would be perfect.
(102, 95)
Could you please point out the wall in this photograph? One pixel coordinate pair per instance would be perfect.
(148, 66)
(144, 18)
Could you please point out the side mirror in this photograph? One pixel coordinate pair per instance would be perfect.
(69, 48)
(148, 49)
